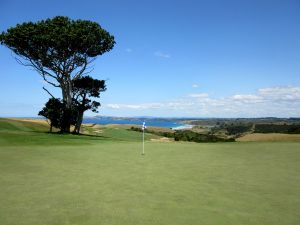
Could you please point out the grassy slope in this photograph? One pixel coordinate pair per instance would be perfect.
(99, 180)
(270, 137)
(18, 132)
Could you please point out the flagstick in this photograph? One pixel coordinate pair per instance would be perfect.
(143, 142)
(143, 128)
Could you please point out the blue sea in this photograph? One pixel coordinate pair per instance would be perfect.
(136, 121)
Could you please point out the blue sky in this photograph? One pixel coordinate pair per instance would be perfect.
(174, 58)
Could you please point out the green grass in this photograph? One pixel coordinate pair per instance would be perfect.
(15, 133)
(105, 180)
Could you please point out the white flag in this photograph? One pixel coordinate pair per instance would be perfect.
(144, 126)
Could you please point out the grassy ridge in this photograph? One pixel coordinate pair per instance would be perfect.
(97, 180)
(18, 132)
(255, 137)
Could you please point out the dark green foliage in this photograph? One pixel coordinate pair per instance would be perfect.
(294, 129)
(187, 135)
(84, 89)
(277, 128)
(53, 111)
(222, 121)
(51, 42)
(159, 133)
(57, 113)
(238, 127)
(235, 129)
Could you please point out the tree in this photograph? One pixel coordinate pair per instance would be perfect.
(83, 89)
(53, 111)
(60, 50)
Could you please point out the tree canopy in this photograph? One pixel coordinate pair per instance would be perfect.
(53, 111)
(58, 47)
(84, 89)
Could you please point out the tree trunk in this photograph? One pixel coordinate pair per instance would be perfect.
(78, 122)
(51, 127)
(66, 88)
(80, 111)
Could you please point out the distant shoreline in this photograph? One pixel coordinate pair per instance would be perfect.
(182, 127)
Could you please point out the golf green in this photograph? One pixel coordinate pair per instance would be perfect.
(174, 183)
(62, 180)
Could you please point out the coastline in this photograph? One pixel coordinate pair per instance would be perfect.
(183, 127)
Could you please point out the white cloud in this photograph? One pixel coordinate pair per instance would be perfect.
(247, 98)
(162, 54)
(288, 93)
(195, 85)
(273, 101)
(128, 50)
(199, 95)
(135, 106)
(113, 106)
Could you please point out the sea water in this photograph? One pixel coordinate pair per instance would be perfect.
(137, 121)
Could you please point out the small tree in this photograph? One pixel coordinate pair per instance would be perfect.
(53, 112)
(60, 50)
(83, 90)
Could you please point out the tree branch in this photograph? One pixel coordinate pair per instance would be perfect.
(80, 72)
(48, 92)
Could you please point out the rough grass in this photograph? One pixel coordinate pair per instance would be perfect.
(98, 180)
(270, 137)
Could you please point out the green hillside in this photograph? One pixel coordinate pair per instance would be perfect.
(17, 132)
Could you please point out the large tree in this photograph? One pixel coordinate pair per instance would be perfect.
(60, 50)
(84, 89)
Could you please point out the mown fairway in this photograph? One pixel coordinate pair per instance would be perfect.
(51, 179)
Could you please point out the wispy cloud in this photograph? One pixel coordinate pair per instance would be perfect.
(247, 98)
(135, 106)
(287, 93)
(113, 106)
(162, 54)
(195, 86)
(129, 50)
(199, 95)
(273, 101)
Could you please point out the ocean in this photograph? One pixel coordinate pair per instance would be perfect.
(137, 121)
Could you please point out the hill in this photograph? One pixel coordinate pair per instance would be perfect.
(20, 131)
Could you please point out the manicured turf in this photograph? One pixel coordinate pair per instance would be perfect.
(96, 180)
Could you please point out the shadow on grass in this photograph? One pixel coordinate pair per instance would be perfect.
(33, 138)
(75, 135)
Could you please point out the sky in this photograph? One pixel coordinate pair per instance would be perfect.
(173, 58)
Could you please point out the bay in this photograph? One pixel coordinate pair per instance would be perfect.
(155, 122)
